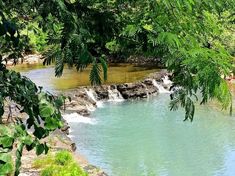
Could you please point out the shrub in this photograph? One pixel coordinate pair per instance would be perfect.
(60, 164)
(63, 157)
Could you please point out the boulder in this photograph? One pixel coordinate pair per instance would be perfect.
(102, 93)
(151, 89)
(133, 90)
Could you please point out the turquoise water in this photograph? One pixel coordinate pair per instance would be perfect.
(143, 138)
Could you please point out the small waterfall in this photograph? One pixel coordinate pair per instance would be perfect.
(166, 80)
(76, 118)
(91, 93)
(160, 87)
(115, 95)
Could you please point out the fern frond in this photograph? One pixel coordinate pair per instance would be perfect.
(51, 54)
(104, 68)
(95, 78)
(59, 66)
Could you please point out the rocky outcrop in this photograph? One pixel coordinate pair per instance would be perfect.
(133, 90)
(151, 89)
(80, 102)
(102, 92)
(86, 99)
(27, 59)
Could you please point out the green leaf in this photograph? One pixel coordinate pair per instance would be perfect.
(40, 149)
(59, 101)
(95, 74)
(148, 27)
(52, 123)
(46, 148)
(5, 157)
(6, 168)
(46, 109)
(27, 140)
(39, 132)
(6, 141)
(105, 68)
(6, 164)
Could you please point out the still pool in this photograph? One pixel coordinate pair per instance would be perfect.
(144, 138)
(117, 73)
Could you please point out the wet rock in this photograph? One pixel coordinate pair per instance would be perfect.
(80, 102)
(132, 90)
(102, 93)
(73, 147)
(83, 112)
(113, 86)
(65, 128)
(150, 88)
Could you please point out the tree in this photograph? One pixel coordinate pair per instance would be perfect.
(187, 35)
(42, 109)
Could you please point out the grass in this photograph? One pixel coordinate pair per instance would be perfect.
(59, 164)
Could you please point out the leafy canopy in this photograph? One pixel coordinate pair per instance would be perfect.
(190, 36)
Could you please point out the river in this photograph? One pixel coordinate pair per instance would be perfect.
(145, 138)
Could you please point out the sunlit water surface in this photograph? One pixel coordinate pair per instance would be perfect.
(138, 138)
(117, 73)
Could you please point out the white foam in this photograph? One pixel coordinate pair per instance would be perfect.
(115, 95)
(91, 93)
(166, 80)
(71, 136)
(90, 107)
(160, 87)
(76, 118)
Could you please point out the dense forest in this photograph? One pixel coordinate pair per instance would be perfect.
(195, 40)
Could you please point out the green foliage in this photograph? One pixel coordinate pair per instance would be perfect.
(43, 115)
(60, 164)
(193, 38)
(6, 166)
(63, 157)
(37, 38)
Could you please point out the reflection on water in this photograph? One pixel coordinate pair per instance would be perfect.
(145, 138)
(118, 73)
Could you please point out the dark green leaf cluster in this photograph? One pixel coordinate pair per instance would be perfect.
(43, 114)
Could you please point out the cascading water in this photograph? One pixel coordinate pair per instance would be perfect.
(160, 87)
(115, 95)
(91, 93)
(166, 80)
